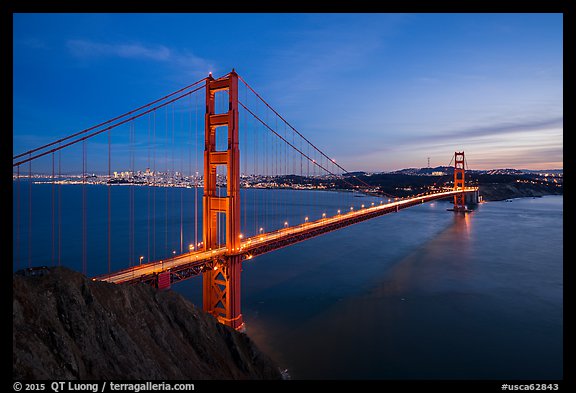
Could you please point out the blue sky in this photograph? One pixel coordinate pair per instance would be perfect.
(378, 92)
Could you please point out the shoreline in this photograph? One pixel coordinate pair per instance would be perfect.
(505, 192)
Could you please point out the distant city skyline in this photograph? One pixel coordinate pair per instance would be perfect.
(379, 92)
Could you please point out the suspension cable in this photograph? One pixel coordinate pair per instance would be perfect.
(290, 144)
(109, 121)
(105, 129)
(296, 131)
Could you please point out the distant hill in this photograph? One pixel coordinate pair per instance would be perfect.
(357, 173)
(450, 170)
(555, 171)
(425, 171)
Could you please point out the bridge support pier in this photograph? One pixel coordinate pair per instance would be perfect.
(472, 198)
(221, 292)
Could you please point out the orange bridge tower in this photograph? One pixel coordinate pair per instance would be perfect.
(221, 285)
(460, 198)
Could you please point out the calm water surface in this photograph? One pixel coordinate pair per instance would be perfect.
(420, 294)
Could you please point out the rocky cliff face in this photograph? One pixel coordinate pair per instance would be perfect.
(66, 326)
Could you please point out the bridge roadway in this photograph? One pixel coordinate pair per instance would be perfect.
(193, 263)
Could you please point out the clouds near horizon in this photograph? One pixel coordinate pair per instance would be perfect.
(376, 91)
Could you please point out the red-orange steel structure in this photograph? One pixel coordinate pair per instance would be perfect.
(219, 261)
(221, 284)
(460, 198)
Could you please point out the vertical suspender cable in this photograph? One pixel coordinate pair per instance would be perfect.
(265, 173)
(275, 199)
(53, 256)
(166, 185)
(255, 169)
(180, 179)
(154, 187)
(109, 200)
(148, 185)
(466, 169)
(244, 132)
(301, 173)
(175, 179)
(196, 144)
(308, 180)
(84, 227)
(133, 193)
(129, 192)
(29, 213)
(257, 174)
(131, 177)
(59, 207)
(190, 150)
(130, 200)
(18, 217)
(285, 172)
(190, 147)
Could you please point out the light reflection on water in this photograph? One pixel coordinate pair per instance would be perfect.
(473, 297)
(418, 294)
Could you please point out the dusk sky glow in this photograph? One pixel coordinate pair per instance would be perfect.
(378, 92)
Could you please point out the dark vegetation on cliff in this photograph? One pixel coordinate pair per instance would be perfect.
(66, 326)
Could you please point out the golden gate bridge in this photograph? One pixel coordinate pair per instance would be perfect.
(159, 146)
